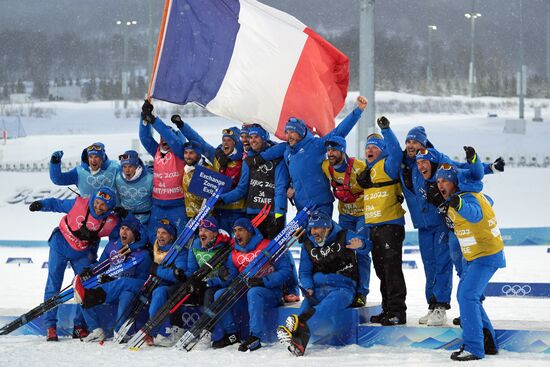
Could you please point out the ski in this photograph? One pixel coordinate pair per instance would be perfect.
(142, 298)
(182, 293)
(238, 287)
(68, 293)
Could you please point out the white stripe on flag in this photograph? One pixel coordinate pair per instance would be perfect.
(267, 50)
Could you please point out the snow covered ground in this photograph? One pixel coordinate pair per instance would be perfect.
(520, 194)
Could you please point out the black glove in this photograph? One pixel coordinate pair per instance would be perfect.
(196, 286)
(498, 165)
(223, 160)
(56, 157)
(256, 161)
(433, 195)
(147, 112)
(383, 122)
(255, 282)
(223, 273)
(35, 206)
(407, 177)
(359, 301)
(104, 278)
(153, 270)
(363, 179)
(179, 274)
(470, 154)
(176, 120)
(455, 202)
(87, 273)
(120, 212)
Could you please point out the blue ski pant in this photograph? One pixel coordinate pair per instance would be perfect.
(121, 291)
(60, 254)
(175, 214)
(259, 301)
(325, 320)
(438, 267)
(473, 318)
(158, 298)
(456, 253)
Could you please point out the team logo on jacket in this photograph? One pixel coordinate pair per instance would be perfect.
(90, 225)
(322, 252)
(116, 258)
(246, 258)
(133, 193)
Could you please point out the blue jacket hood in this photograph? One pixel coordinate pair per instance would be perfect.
(252, 244)
(331, 236)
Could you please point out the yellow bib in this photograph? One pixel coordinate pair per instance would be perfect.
(158, 254)
(193, 202)
(477, 239)
(382, 204)
(356, 208)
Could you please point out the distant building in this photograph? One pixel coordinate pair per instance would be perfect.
(20, 98)
(65, 93)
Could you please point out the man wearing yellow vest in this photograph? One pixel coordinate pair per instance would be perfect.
(342, 172)
(384, 218)
(476, 228)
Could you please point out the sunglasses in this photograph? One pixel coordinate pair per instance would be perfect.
(123, 157)
(228, 132)
(422, 152)
(164, 221)
(95, 147)
(375, 135)
(207, 224)
(103, 195)
(446, 167)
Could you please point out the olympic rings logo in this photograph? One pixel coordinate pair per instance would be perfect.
(133, 193)
(246, 259)
(90, 225)
(189, 319)
(516, 290)
(100, 180)
(116, 258)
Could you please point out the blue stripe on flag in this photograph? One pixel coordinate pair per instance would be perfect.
(199, 42)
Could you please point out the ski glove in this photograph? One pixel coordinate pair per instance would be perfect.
(104, 278)
(176, 120)
(498, 165)
(364, 180)
(383, 122)
(433, 195)
(120, 212)
(359, 301)
(471, 156)
(56, 157)
(35, 206)
(147, 112)
(256, 161)
(179, 274)
(255, 282)
(223, 160)
(455, 202)
(87, 273)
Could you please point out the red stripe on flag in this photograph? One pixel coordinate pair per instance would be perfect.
(318, 87)
(160, 41)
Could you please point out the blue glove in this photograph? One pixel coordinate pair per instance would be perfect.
(56, 157)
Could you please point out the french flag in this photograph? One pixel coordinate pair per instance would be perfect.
(248, 62)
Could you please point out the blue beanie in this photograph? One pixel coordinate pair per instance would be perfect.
(133, 224)
(130, 157)
(233, 133)
(448, 174)
(107, 195)
(168, 227)
(337, 143)
(296, 125)
(258, 130)
(97, 149)
(246, 224)
(419, 134)
(209, 223)
(244, 129)
(194, 146)
(429, 154)
(376, 140)
(319, 219)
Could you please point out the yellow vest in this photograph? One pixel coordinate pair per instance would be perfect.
(239, 204)
(158, 254)
(193, 202)
(356, 208)
(382, 204)
(477, 239)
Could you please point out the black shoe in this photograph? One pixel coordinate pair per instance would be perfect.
(250, 344)
(489, 343)
(463, 356)
(377, 319)
(391, 320)
(456, 321)
(227, 340)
